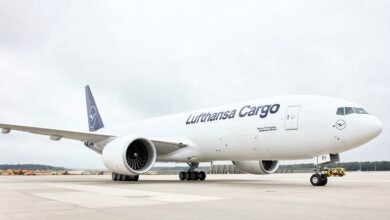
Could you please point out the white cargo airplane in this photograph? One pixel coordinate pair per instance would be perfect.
(254, 135)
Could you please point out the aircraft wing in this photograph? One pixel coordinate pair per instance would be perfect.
(163, 147)
(56, 134)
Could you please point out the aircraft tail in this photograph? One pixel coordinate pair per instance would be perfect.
(94, 120)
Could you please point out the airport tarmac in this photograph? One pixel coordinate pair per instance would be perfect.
(359, 195)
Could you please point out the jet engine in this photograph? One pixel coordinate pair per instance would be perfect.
(257, 166)
(129, 155)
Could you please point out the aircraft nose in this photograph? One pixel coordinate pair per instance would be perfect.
(374, 127)
(361, 130)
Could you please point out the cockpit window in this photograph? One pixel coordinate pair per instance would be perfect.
(360, 111)
(340, 111)
(350, 110)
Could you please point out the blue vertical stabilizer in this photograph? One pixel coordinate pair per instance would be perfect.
(94, 120)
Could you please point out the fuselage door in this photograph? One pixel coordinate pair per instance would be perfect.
(291, 119)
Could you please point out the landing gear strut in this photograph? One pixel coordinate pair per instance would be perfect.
(191, 174)
(318, 179)
(121, 177)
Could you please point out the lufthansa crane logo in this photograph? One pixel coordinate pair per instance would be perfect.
(340, 124)
(92, 114)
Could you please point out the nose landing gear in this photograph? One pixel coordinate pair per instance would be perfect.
(191, 174)
(320, 178)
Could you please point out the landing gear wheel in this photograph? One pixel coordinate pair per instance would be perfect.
(114, 177)
(316, 180)
(187, 176)
(191, 175)
(135, 178)
(182, 175)
(202, 175)
(194, 175)
(324, 179)
(123, 177)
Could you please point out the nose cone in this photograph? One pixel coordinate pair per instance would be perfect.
(374, 127)
(360, 129)
(369, 128)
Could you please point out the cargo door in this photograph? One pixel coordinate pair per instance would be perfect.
(292, 118)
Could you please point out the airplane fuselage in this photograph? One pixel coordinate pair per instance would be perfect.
(277, 128)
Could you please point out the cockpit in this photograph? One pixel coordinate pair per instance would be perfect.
(350, 110)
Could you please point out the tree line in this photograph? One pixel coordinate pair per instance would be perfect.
(29, 167)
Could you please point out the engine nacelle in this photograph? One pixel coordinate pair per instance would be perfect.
(257, 166)
(129, 155)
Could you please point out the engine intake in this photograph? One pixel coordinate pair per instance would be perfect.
(137, 155)
(129, 155)
(257, 167)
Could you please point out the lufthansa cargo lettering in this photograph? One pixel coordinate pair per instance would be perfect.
(246, 111)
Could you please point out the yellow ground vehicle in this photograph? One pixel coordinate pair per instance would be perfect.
(15, 172)
(334, 172)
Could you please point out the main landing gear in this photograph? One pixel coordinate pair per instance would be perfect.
(318, 179)
(191, 174)
(121, 177)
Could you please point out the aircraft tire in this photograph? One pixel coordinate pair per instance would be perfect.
(187, 176)
(114, 177)
(316, 180)
(135, 178)
(192, 176)
(196, 175)
(182, 175)
(202, 175)
(324, 180)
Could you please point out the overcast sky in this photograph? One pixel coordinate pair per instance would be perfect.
(150, 58)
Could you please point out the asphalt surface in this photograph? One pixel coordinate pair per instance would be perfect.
(360, 195)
